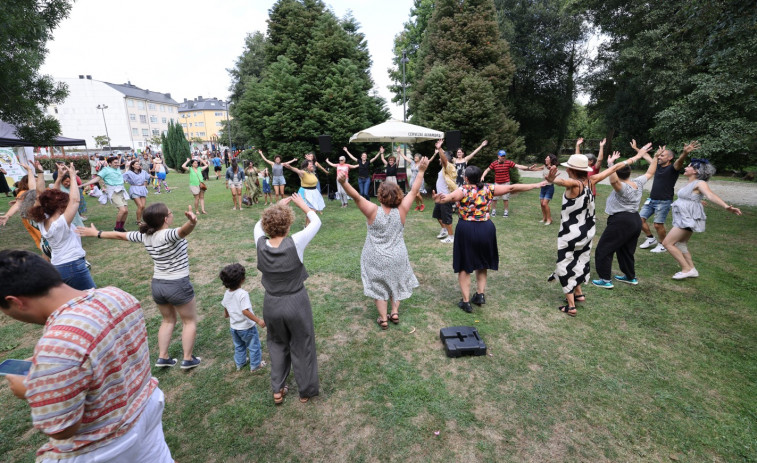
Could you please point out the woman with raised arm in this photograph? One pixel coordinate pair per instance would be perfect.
(475, 244)
(364, 172)
(195, 181)
(390, 167)
(277, 173)
(311, 157)
(26, 196)
(63, 183)
(287, 312)
(461, 162)
(547, 191)
(54, 216)
(623, 224)
(577, 227)
(171, 289)
(384, 264)
(689, 216)
(234, 181)
(137, 180)
(342, 168)
(419, 206)
(308, 182)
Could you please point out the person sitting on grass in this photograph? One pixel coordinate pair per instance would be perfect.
(238, 309)
(286, 305)
(171, 289)
(384, 263)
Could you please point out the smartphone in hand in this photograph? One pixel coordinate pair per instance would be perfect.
(15, 367)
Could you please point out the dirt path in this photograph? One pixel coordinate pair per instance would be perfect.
(740, 193)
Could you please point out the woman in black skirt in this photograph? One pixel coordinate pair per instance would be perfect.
(475, 247)
(4, 188)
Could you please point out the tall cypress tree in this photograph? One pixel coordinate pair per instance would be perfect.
(465, 72)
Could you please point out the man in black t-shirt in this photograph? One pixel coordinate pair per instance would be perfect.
(661, 196)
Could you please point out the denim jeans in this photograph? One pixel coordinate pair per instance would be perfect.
(244, 341)
(364, 186)
(76, 275)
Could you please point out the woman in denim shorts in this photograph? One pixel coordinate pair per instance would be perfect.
(171, 288)
(277, 172)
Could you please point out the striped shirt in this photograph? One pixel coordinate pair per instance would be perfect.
(168, 251)
(92, 365)
(501, 170)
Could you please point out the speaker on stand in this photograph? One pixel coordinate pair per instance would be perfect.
(324, 143)
(452, 140)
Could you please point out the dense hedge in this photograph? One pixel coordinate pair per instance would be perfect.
(80, 162)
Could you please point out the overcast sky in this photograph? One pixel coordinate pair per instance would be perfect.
(184, 47)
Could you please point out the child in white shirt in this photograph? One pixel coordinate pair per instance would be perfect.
(238, 309)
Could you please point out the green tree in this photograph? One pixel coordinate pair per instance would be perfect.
(249, 64)
(25, 28)
(464, 72)
(101, 140)
(318, 83)
(545, 39)
(175, 147)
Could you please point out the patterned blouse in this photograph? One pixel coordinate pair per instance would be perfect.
(474, 206)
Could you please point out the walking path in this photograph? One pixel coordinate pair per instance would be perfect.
(740, 193)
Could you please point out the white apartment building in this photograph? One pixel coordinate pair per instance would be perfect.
(131, 114)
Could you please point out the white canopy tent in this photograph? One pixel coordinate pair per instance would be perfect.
(396, 132)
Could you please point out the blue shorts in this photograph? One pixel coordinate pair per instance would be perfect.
(547, 192)
(161, 175)
(279, 180)
(658, 207)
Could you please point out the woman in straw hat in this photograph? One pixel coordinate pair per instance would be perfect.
(577, 227)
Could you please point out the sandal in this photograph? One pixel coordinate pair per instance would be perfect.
(395, 318)
(304, 400)
(580, 297)
(382, 323)
(278, 397)
(568, 310)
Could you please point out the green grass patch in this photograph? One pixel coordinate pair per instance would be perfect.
(666, 369)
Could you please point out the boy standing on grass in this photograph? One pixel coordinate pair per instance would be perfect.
(238, 309)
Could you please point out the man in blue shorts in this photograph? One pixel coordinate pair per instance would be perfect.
(661, 196)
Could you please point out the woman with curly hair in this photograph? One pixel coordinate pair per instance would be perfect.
(287, 312)
(54, 215)
(171, 289)
(689, 216)
(26, 196)
(384, 264)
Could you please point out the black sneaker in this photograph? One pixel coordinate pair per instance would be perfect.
(465, 306)
(478, 299)
(163, 363)
(187, 364)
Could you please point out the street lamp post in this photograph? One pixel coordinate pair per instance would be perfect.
(228, 123)
(403, 61)
(102, 108)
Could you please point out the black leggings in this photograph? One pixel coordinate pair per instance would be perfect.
(620, 236)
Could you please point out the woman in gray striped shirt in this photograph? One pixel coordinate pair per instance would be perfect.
(171, 289)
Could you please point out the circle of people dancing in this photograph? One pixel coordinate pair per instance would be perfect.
(58, 290)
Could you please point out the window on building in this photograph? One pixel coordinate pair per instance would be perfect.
(132, 117)
(56, 110)
(162, 108)
(140, 105)
(139, 144)
(202, 134)
(155, 132)
(163, 120)
(170, 109)
(190, 124)
(200, 124)
(218, 114)
(184, 125)
(145, 132)
(154, 119)
(135, 132)
(130, 103)
(197, 114)
(151, 106)
(143, 118)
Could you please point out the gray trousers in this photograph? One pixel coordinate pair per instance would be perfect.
(291, 341)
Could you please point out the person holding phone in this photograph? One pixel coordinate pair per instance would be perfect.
(92, 416)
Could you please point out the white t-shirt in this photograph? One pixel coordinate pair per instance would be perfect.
(64, 242)
(235, 302)
(168, 251)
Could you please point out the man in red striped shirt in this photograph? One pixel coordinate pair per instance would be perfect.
(89, 388)
(501, 168)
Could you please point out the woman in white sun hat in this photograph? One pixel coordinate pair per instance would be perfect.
(577, 226)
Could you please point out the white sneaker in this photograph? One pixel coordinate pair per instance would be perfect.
(449, 239)
(690, 274)
(505, 214)
(649, 242)
(659, 248)
(442, 234)
(493, 213)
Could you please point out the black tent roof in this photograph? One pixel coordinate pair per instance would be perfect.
(8, 137)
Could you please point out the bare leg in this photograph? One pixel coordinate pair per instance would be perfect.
(645, 227)
(480, 281)
(660, 229)
(449, 229)
(188, 314)
(202, 201)
(507, 204)
(381, 307)
(166, 329)
(677, 235)
(123, 212)
(464, 279)
(197, 202)
(395, 307)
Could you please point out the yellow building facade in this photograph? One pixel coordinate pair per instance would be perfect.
(203, 118)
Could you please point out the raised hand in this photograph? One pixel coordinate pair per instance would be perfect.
(299, 202)
(72, 172)
(423, 164)
(484, 143)
(381, 150)
(644, 149)
(579, 142)
(439, 143)
(613, 157)
(87, 231)
(190, 215)
(602, 143)
(551, 175)
(691, 146)
(285, 201)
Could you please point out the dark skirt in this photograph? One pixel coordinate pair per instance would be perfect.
(475, 246)
(4, 184)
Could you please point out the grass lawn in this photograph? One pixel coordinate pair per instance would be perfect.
(666, 370)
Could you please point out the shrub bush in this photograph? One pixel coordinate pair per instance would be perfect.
(80, 162)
